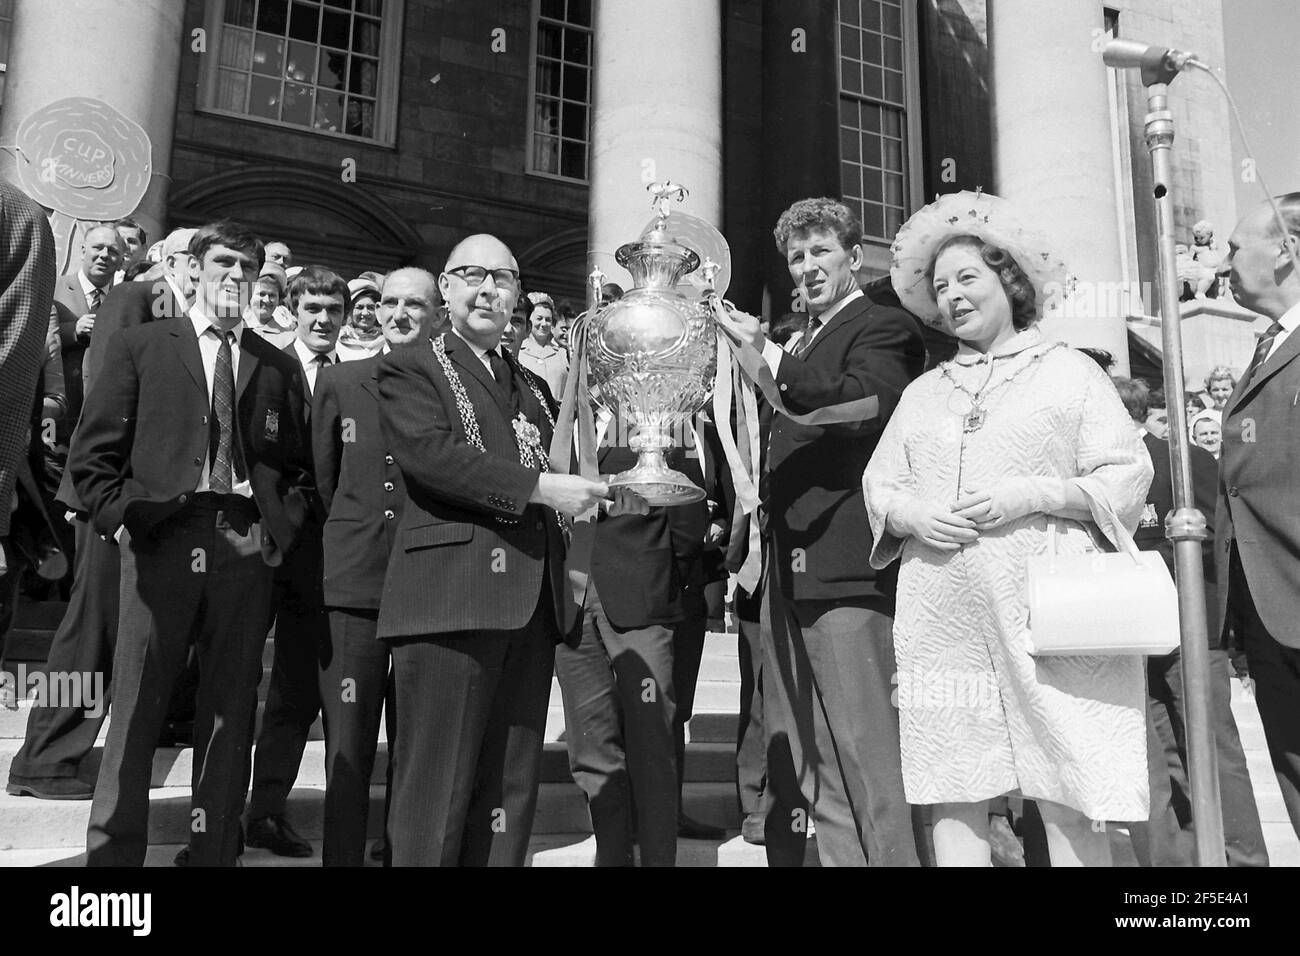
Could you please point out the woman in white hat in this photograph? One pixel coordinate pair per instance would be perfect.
(362, 336)
(981, 453)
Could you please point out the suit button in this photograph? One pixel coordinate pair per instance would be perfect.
(1232, 492)
(184, 498)
(203, 420)
(198, 461)
(388, 513)
(784, 388)
(541, 525)
(388, 459)
(388, 486)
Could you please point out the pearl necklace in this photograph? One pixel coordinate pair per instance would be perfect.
(973, 420)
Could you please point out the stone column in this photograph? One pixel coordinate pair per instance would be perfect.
(126, 54)
(1052, 154)
(657, 115)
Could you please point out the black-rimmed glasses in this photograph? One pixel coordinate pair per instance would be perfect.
(475, 275)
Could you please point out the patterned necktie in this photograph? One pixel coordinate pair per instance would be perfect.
(222, 440)
(1262, 349)
(805, 340)
(96, 297)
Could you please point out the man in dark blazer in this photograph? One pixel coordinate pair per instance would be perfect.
(319, 301)
(619, 671)
(1257, 532)
(363, 493)
(58, 738)
(1243, 835)
(474, 596)
(831, 727)
(77, 300)
(193, 457)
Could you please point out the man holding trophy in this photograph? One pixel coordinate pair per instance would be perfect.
(827, 626)
(473, 601)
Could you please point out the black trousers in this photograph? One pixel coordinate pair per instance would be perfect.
(751, 746)
(832, 733)
(688, 653)
(1242, 833)
(1275, 670)
(471, 718)
(620, 718)
(354, 686)
(293, 700)
(58, 738)
(200, 579)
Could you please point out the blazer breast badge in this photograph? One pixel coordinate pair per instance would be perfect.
(272, 429)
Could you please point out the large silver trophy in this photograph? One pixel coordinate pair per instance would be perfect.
(652, 356)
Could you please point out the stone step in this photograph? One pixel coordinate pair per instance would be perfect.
(173, 766)
(35, 824)
(548, 850)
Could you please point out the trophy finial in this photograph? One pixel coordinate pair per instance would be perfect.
(710, 271)
(664, 193)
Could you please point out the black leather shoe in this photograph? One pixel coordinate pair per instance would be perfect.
(49, 788)
(377, 851)
(183, 854)
(753, 830)
(275, 834)
(689, 829)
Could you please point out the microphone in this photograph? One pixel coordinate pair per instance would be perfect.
(1152, 60)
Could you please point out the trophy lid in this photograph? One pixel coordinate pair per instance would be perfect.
(658, 259)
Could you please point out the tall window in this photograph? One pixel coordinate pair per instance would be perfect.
(560, 121)
(323, 65)
(877, 80)
(6, 31)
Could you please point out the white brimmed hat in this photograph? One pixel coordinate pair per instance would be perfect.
(985, 217)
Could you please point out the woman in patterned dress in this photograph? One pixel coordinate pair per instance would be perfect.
(981, 455)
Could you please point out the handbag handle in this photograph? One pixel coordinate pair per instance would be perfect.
(1126, 542)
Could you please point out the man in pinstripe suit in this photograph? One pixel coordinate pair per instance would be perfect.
(474, 596)
(27, 274)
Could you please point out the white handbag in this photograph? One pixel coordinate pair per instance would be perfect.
(1101, 603)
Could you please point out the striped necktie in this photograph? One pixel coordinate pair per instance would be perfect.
(222, 434)
(805, 340)
(1262, 349)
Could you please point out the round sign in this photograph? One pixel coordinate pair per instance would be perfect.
(84, 159)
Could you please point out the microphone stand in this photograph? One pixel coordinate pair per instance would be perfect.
(1185, 526)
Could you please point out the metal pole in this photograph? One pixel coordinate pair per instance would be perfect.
(1185, 526)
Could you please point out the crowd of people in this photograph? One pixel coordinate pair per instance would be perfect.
(218, 444)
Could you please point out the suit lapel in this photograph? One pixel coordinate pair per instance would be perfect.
(187, 347)
(850, 311)
(371, 382)
(247, 363)
(1285, 354)
(458, 351)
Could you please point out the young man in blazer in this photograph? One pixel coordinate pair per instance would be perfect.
(364, 495)
(193, 458)
(475, 593)
(829, 668)
(319, 301)
(1257, 527)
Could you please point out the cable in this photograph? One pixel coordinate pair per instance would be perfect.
(1245, 142)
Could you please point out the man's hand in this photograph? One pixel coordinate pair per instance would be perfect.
(932, 525)
(570, 494)
(716, 536)
(740, 325)
(627, 502)
(86, 324)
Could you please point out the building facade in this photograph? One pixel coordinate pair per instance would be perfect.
(373, 133)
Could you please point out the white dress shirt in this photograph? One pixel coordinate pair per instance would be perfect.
(310, 367)
(773, 353)
(481, 353)
(209, 346)
(1289, 320)
(88, 288)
